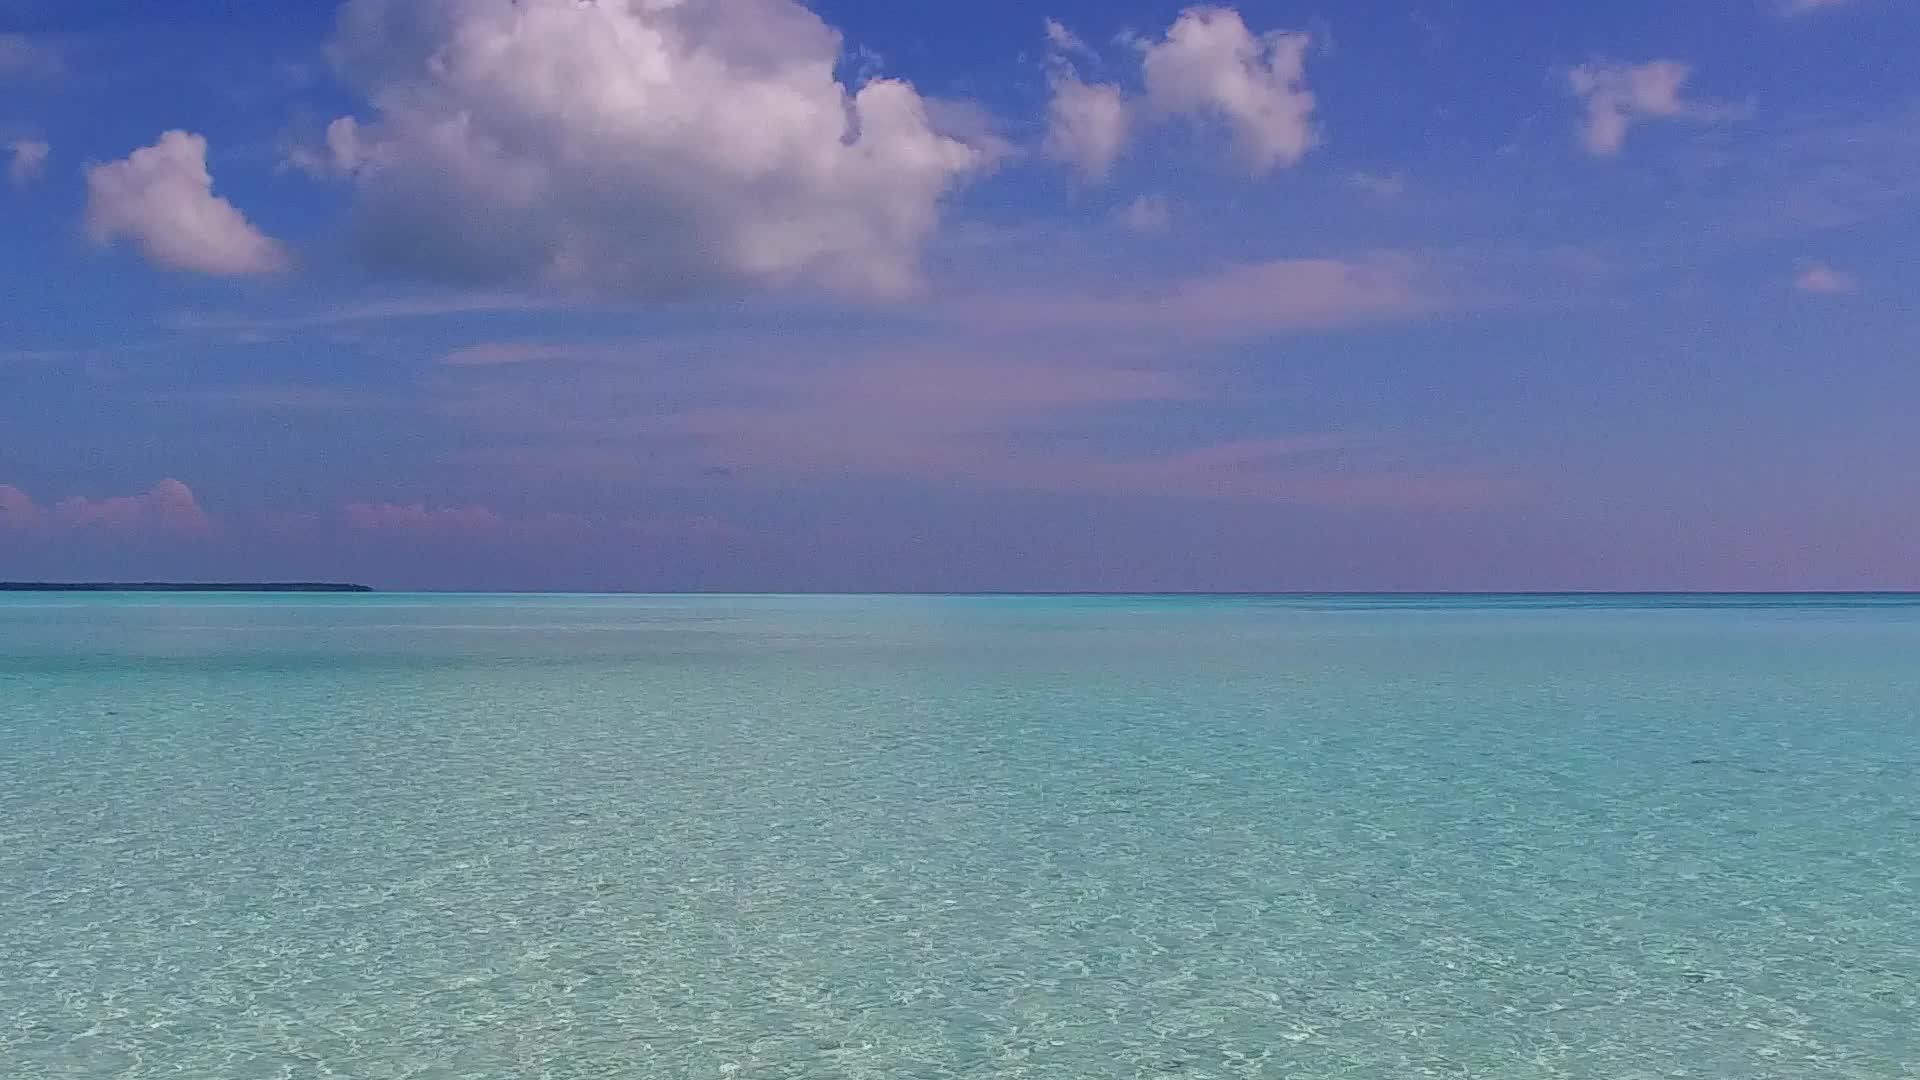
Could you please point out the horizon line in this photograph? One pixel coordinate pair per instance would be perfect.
(361, 589)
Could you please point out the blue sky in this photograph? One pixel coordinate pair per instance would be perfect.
(746, 294)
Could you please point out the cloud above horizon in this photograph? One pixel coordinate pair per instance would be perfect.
(473, 290)
(1619, 95)
(169, 508)
(1210, 65)
(27, 161)
(1088, 124)
(975, 417)
(1822, 279)
(1147, 214)
(1207, 67)
(161, 198)
(1793, 8)
(476, 522)
(635, 148)
(472, 522)
(1276, 296)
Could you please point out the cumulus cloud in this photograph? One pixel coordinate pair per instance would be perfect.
(1823, 279)
(161, 197)
(28, 161)
(21, 56)
(1618, 95)
(1210, 64)
(169, 508)
(1087, 124)
(636, 147)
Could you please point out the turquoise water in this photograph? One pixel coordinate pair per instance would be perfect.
(453, 837)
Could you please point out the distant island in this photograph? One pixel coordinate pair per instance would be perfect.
(183, 586)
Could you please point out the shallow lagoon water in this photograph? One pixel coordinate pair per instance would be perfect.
(490, 837)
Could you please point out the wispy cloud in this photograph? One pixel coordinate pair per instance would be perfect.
(286, 398)
(421, 520)
(1795, 8)
(513, 352)
(1619, 95)
(1379, 185)
(368, 312)
(25, 57)
(27, 161)
(1088, 124)
(1822, 279)
(966, 418)
(1809, 174)
(1005, 402)
(1148, 213)
(1065, 41)
(1327, 470)
(1250, 299)
(474, 522)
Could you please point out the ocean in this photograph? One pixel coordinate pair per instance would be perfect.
(438, 837)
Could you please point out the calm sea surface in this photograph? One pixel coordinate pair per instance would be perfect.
(447, 837)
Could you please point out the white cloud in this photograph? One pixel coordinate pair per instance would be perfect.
(638, 147)
(17, 509)
(1210, 64)
(23, 57)
(1065, 41)
(1247, 300)
(1792, 8)
(338, 154)
(29, 161)
(970, 123)
(1087, 124)
(161, 197)
(1148, 213)
(169, 508)
(1619, 94)
(1823, 279)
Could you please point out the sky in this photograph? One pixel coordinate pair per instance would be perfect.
(764, 295)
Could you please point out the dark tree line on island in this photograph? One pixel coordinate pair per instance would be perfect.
(183, 586)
